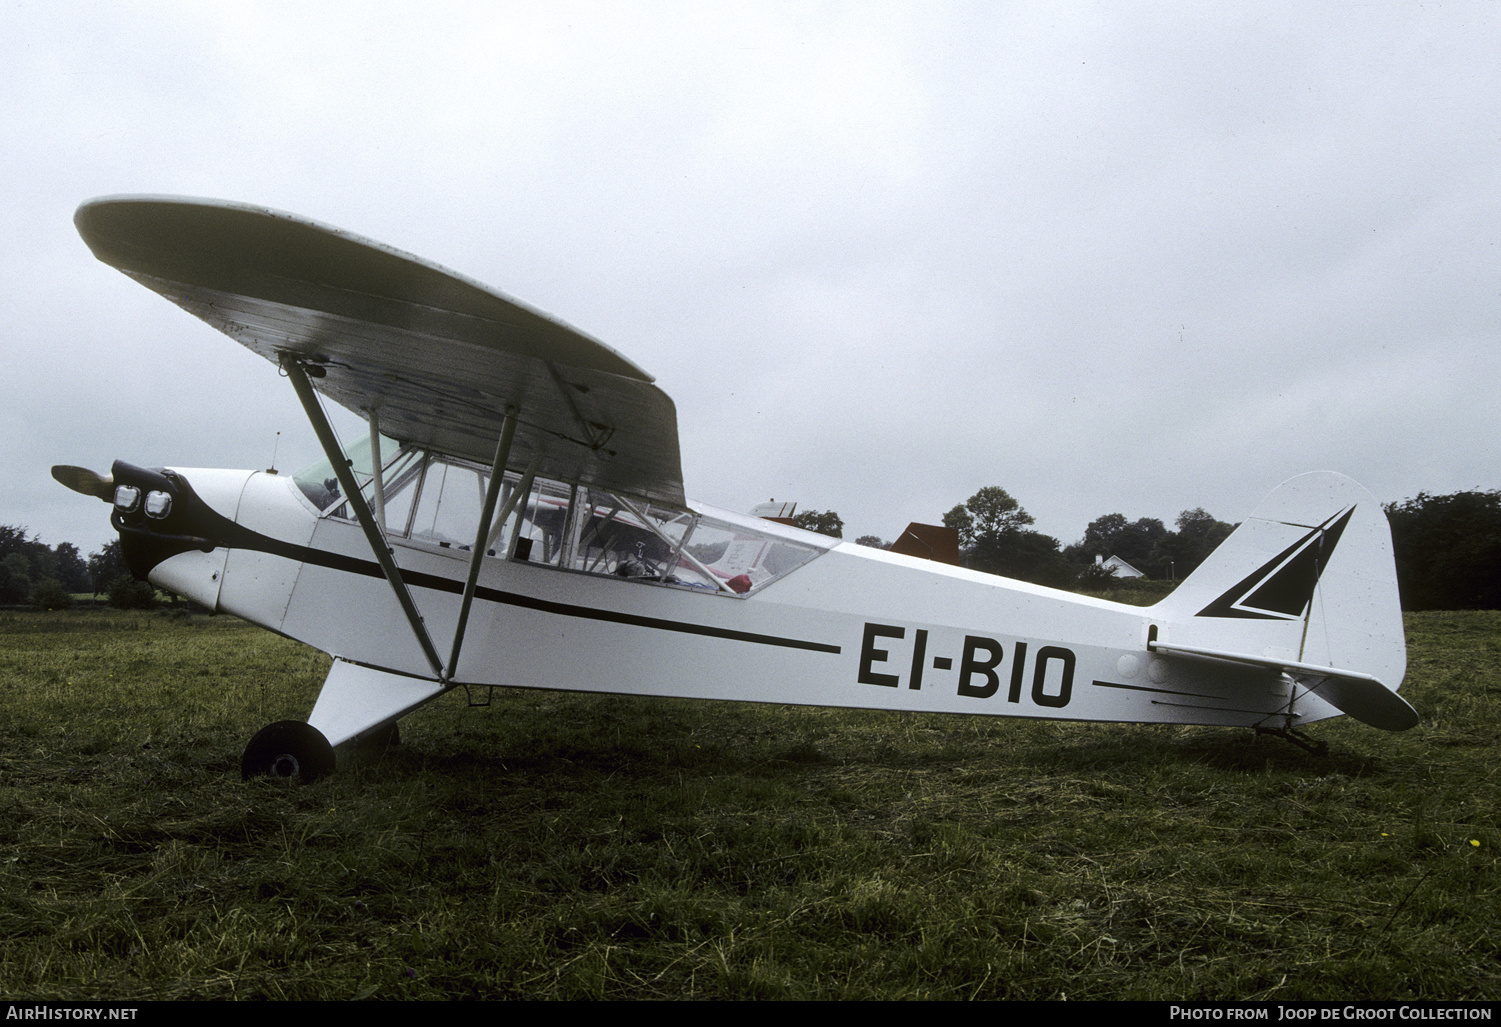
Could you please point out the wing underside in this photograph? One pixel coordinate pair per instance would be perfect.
(437, 357)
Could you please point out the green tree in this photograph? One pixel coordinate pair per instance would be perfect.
(13, 539)
(1102, 535)
(1180, 552)
(127, 593)
(1133, 541)
(105, 566)
(72, 571)
(994, 537)
(19, 554)
(962, 521)
(26, 562)
(996, 513)
(15, 578)
(1026, 556)
(48, 594)
(826, 522)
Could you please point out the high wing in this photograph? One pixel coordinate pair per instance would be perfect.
(436, 356)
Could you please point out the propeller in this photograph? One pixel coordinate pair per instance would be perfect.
(81, 479)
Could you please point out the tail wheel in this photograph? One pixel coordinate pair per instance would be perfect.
(288, 750)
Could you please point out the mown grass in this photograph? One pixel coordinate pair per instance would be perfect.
(560, 846)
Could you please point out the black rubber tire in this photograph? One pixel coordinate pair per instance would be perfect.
(288, 750)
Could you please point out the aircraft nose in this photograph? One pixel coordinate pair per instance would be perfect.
(177, 526)
(159, 514)
(156, 501)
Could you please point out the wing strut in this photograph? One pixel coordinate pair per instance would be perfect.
(482, 533)
(520, 492)
(373, 533)
(379, 493)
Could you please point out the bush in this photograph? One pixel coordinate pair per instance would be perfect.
(48, 594)
(126, 593)
(1448, 551)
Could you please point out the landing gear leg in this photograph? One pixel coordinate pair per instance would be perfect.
(1298, 738)
(288, 750)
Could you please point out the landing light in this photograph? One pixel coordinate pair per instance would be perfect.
(158, 504)
(127, 498)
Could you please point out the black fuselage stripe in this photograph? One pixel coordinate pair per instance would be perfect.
(616, 617)
(1145, 688)
(437, 583)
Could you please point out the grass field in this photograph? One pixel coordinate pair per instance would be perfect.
(561, 846)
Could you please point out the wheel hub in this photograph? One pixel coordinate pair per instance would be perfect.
(285, 766)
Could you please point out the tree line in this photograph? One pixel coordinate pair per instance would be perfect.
(1448, 548)
(48, 577)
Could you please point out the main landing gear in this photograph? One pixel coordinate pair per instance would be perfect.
(288, 750)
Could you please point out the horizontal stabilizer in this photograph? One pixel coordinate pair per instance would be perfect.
(1360, 695)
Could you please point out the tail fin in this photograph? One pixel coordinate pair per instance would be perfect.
(1306, 585)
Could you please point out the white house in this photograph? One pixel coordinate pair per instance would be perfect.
(1121, 568)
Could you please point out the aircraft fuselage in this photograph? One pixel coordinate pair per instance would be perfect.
(852, 627)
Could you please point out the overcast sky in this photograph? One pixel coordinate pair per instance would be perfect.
(1131, 258)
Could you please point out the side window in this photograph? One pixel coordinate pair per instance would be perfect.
(401, 478)
(607, 537)
(450, 504)
(744, 558)
(433, 498)
(402, 481)
(541, 534)
(584, 530)
(580, 529)
(438, 500)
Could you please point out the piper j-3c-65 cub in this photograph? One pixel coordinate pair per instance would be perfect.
(516, 517)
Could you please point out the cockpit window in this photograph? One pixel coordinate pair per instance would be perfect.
(580, 529)
(439, 499)
(745, 556)
(319, 483)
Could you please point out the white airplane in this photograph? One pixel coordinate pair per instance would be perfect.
(516, 518)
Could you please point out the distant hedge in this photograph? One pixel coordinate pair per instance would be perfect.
(1448, 551)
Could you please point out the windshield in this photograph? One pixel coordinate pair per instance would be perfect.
(321, 486)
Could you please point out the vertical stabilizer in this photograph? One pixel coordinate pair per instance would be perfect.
(1308, 584)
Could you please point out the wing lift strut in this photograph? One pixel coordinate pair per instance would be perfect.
(359, 701)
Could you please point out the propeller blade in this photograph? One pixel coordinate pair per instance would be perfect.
(81, 479)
